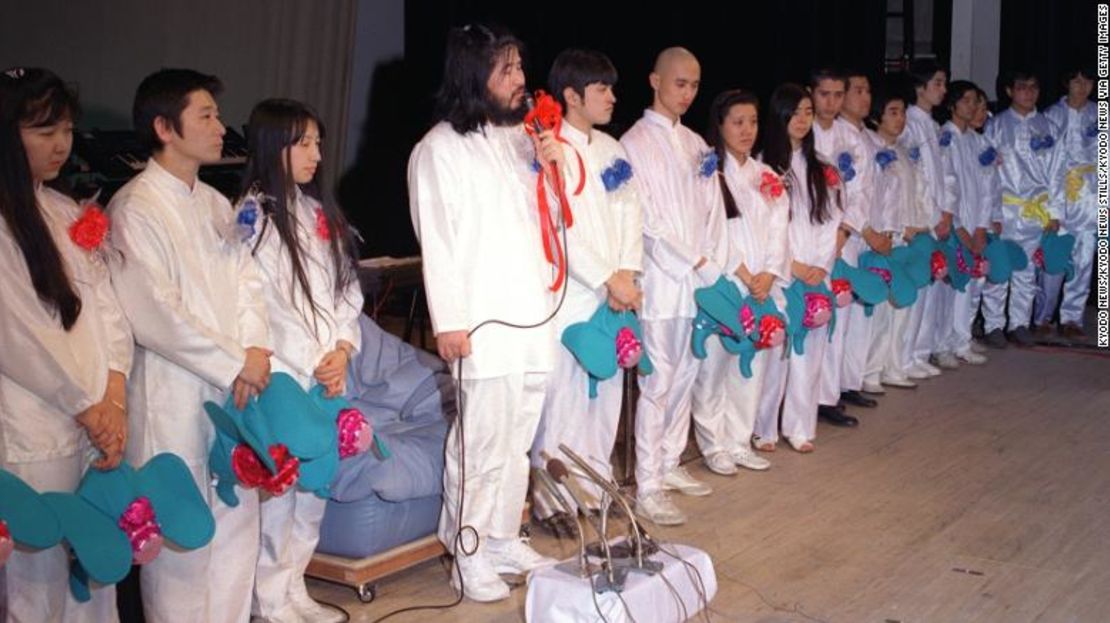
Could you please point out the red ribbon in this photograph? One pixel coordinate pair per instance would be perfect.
(549, 115)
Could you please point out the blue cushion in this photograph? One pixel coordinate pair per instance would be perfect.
(372, 525)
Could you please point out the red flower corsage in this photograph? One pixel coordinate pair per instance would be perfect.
(832, 178)
(89, 230)
(323, 232)
(771, 185)
(1038, 258)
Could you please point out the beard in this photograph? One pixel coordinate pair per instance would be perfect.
(503, 115)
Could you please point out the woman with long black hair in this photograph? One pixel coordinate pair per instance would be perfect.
(305, 251)
(65, 345)
(757, 209)
(815, 216)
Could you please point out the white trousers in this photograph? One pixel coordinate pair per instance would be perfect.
(38, 580)
(881, 356)
(587, 426)
(725, 403)
(290, 531)
(803, 380)
(775, 364)
(931, 300)
(966, 305)
(945, 318)
(663, 409)
(499, 419)
(846, 354)
(1075, 290)
(208, 584)
(1022, 286)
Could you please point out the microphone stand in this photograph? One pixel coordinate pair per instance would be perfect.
(548, 485)
(649, 567)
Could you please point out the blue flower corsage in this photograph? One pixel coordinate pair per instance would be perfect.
(915, 153)
(1038, 143)
(616, 174)
(945, 138)
(988, 156)
(708, 164)
(844, 163)
(885, 158)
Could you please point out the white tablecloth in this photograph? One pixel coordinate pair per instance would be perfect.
(555, 596)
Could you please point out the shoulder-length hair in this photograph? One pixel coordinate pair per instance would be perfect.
(472, 51)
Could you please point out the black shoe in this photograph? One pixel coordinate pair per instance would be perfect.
(853, 397)
(1022, 337)
(996, 339)
(836, 417)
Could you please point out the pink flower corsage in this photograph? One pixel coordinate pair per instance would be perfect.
(747, 319)
(629, 349)
(141, 526)
(355, 432)
(771, 186)
(818, 310)
(772, 332)
(842, 290)
(939, 265)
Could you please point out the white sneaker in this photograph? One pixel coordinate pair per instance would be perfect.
(971, 357)
(977, 347)
(946, 361)
(479, 581)
(309, 608)
(746, 457)
(929, 368)
(898, 381)
(721, 463)
(659, 509)
(917, 373)
(514, 556)
(678, 479)
(873, 388)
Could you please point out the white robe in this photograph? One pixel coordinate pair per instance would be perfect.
(1024, 175)
(473, 203)
(48, 376)
(195, 304)
(291, 522)
(726, 405)
(683, 223)
(1077, 131)
(813, 244)
(921, 136)
(607, 236)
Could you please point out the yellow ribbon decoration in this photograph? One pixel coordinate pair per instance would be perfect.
(1073, 181)
(1032, 209)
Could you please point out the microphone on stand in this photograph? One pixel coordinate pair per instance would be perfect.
(548, 485)
(638, 533)
(561, 474)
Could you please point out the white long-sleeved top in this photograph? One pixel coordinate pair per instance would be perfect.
(608, 230)
(757, 239)
(299, 343)
(473, 203)
(920, 140)
(49, 375)
(195, 303)
(966, 197)
(1077, 132)
(811, 243)
(842, 146)
(899, 199)
(1026, 173)
(683, 215)
(987, 163)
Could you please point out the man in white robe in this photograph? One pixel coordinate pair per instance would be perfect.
(472, 196)
(194, 300)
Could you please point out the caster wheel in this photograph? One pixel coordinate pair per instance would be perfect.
(366, 593)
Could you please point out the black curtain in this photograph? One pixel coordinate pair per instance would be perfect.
(1046, 37)
(739, 44)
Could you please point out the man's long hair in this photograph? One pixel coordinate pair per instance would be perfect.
(463, 99)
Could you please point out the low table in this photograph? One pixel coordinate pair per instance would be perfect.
(556, 596)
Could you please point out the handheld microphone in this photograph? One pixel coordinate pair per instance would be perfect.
(529, 106)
